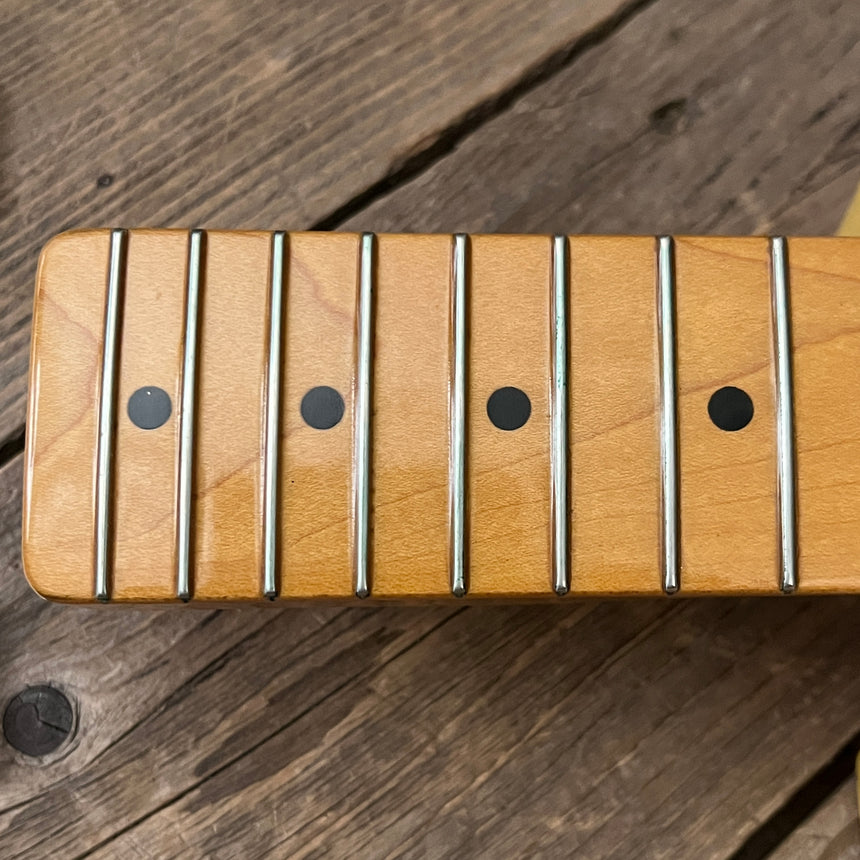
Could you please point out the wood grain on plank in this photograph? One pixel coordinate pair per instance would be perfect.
(218, 115)
(463, 744)
(654, 131)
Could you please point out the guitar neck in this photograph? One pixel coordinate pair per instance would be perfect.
(235, 416)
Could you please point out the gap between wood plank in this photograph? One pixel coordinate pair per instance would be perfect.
(448, 139)
(801, 805)
(445, 142)
(12, 447)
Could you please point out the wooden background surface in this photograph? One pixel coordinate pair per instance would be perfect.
(701, 728)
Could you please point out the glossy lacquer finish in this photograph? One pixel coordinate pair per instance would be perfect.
(222, 417)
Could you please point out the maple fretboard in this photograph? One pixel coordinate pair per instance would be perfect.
(234, 416)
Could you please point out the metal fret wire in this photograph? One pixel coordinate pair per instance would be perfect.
(668, 413)
(361, 463)
(457, 464)
(559, 458)
(186, 433)
(273, 422)
(107, 413)
(784, 415)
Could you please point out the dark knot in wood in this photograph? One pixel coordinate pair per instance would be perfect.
(38, 720)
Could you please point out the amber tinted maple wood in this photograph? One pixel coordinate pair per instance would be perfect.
(411, 417)
(729, 531)
(151, 350)
(228, 439)
(319, 348)
(724, 332)
(65, 372)
(614, 389)
(825, 297)
(508, 472)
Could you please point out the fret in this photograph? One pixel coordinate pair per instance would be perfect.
(222, 416)
(107, 408)
(784, 416)
(560, 445)
(458, 358)
(668, 414)
(361, 463)
(187, 408)
(273, 419)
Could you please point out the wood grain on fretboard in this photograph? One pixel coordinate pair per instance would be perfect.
(729, 523)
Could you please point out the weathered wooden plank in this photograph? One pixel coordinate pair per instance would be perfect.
(832, 833)
(732, 118)
(662, 725)
(234, 115)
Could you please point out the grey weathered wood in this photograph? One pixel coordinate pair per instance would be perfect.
(661, 733)
(232, 114)
(832, 833)
(729, 117)
(633, 728)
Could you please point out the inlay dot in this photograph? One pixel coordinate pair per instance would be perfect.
(509, 408)
(149, 407)
(730, 408)
(322, 407)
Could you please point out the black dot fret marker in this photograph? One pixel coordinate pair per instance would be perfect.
(322, 408)
(509, 408)
(149, 407)
(731, 408)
